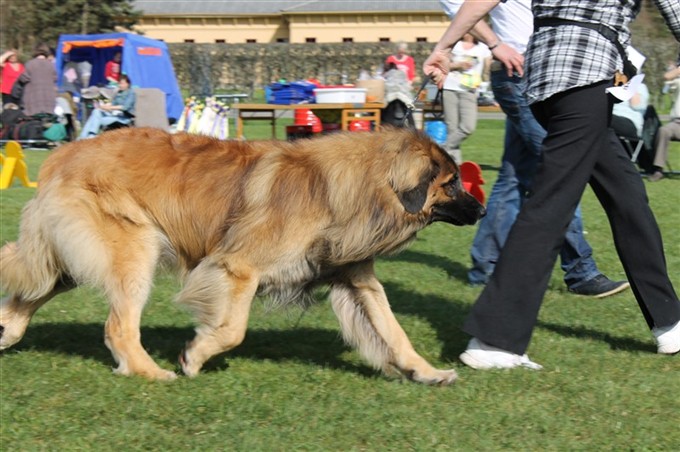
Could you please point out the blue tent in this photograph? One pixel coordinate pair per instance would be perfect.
(146, 61)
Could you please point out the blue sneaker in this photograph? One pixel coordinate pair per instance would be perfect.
(599, 287)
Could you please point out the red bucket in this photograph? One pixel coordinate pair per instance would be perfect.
(360, 126)
(306, 117)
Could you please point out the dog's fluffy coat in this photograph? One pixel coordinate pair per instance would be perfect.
(236, 218)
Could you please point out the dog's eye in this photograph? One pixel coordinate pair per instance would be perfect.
(453, 181)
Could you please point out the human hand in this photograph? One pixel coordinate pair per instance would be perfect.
(7, 54)
(511, 58)
(436, 66)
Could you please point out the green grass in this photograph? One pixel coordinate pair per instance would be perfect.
(294, 385)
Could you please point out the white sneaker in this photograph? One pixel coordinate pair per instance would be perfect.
(668, 338)
(483, 356)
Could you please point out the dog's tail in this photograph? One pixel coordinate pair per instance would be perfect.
(28, 267)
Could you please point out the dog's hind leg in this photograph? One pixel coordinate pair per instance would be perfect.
(127, 286)
(368, 323)
(220, 296)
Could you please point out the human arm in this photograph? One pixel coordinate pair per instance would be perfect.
(461, 66)
(640, 99)
(437, 64)
(123, 102)
(511, 58)
(672, 74)
(636, 103)
(5, 56)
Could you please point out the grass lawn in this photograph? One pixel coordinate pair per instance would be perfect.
(294, 385)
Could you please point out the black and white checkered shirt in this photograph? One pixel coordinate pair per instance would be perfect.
(568, 56)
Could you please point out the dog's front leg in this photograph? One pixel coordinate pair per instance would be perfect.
(368, 323)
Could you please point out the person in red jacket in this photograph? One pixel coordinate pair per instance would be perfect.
(403, 61)
(112, 69)
(11, 70)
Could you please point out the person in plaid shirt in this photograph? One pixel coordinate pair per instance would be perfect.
(569, 66)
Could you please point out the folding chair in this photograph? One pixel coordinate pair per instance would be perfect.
(150, 108)
(641, 149)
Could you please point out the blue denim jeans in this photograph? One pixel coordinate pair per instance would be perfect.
(521, 156)
(98, 119)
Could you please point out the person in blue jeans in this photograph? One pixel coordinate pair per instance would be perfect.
(120, 110)
(512, 23)
(521, 155)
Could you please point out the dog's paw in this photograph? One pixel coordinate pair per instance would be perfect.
(164, 375)
(436, 377)
(157, 373)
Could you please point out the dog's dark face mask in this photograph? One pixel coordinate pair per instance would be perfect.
(457, 207)
(439, 194)
(448, 201)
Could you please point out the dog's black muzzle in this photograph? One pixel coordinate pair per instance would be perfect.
(464, 210)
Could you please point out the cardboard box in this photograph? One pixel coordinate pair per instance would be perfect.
(375, 89)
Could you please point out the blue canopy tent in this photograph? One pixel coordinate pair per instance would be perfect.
(146, 61)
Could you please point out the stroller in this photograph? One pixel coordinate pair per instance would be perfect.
(399, 98)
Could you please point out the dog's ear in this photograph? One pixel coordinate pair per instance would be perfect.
(412, 170)
(414, 200)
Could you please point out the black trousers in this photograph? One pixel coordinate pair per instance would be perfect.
(579, 149)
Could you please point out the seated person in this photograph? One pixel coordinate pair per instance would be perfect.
(628, 117)
(671, 131)
(121, 110)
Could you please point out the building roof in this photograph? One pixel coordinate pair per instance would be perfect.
(276, 7)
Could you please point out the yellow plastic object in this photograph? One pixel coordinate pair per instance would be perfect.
(14, 165)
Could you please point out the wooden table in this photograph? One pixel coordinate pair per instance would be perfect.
(369, 111)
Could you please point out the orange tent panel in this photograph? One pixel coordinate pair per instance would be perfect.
(101, 43)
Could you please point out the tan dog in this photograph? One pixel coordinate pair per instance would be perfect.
(237, 218)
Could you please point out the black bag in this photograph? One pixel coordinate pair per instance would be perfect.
(9, 118)
(25, 129)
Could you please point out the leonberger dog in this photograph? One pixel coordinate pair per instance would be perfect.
(237, 219)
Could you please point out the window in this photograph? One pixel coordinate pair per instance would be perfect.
(421, 39)
(251, 41)
(347, 39)
(384, 39)
(220, 41)
(189, 40)
(282, 40)
(310, 40)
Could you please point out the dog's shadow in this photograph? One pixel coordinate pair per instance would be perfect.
(453, 269)
(320, 347)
